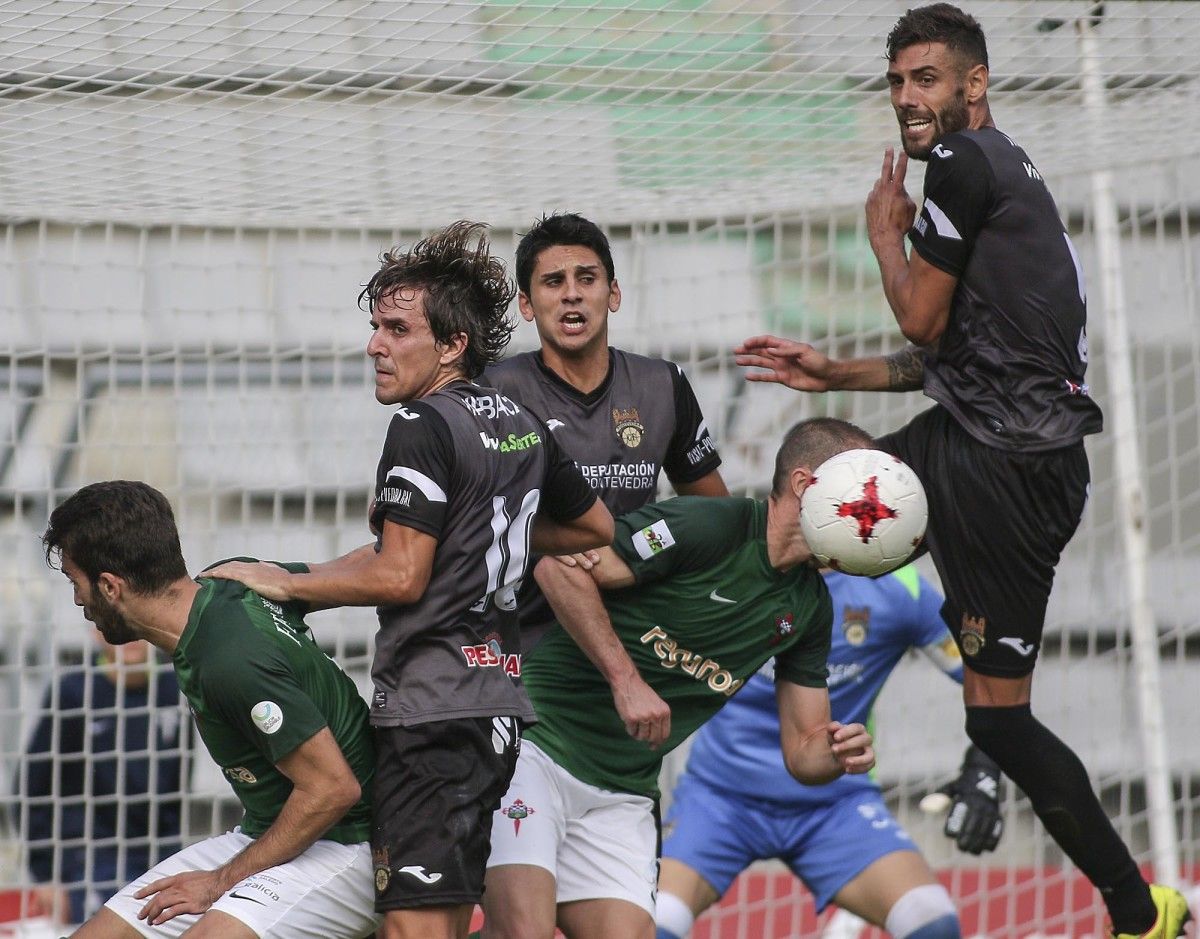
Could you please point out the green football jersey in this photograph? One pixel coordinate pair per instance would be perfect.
(259, 686)
(706, 612)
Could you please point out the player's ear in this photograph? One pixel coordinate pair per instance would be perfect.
(614, 296)
(975, 84)
(110, 586)
(453, 348)
(525, 306)
(799, 479)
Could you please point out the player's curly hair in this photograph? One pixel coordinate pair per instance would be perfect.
(122, 527)
(811, 442)
(465, 289)
(940, 22)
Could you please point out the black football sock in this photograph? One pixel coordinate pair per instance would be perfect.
(1050, 773)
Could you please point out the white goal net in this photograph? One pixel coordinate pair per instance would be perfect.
(191, 195)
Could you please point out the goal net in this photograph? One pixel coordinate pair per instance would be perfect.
(192, 194)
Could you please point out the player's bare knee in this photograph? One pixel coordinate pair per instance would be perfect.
(925, 912)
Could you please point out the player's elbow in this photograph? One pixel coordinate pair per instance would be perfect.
(343, 794)
(924, 327)
(404, 586)
(809, 771)
(600, 529)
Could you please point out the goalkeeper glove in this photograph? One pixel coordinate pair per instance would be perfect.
(974, 821)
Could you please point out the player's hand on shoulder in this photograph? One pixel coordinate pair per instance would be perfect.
(647, 717)
(795, 364)
(269, 580)
(974, 821)
(189, 892)
(851, 745)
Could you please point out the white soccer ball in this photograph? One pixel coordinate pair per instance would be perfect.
(864, 512)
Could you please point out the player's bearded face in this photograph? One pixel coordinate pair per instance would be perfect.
(950, 117)
(929, 95)
(112, 625)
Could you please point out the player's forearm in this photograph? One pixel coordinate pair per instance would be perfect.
(813, 762)
(361, 578)
(899, 371)
(918, 293)
(578, 606)
(304, 818)
(592, 529)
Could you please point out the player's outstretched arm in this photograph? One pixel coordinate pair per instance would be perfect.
(802, 367)
(324, 789)
(574, 595)
(396, 574)
(816, 749)
(592, 529)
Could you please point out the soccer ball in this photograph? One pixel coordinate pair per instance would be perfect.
(864, 512)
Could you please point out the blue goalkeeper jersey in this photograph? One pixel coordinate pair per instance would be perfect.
(875, 622)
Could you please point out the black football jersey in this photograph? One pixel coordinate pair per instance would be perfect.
(471, 467)
(644, 418)
(1010, 364)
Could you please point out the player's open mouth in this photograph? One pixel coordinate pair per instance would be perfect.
(573, 322)
(916, 125)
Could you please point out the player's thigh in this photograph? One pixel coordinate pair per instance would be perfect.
(106, 924)
(604, 919)
(998, 522)
(436, 788)
(519, 902)
(217, 925)
(324, 893)
(874, 891)
(713, 834)
(843, 839)
(203, 855)
(526, 833)
(610, 848)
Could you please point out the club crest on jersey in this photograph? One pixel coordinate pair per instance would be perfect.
(653, 539)
(629, 426)
(971, 635)
(785, 625)
(855, 624)
(517, 812)
(383, 868)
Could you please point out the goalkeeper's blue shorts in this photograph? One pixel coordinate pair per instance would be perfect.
(719, 834)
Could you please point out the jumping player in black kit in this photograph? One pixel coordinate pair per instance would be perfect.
(623, 417)
(468, 485)
(993, 299)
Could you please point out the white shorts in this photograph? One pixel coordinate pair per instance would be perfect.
(598, 844)
(328, 892)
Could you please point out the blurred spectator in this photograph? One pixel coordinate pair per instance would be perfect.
(100, 782)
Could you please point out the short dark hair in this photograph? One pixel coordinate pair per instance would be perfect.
(811, 442)
(565, 229)
(120, 527)
(466, 290)
(940, 22)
